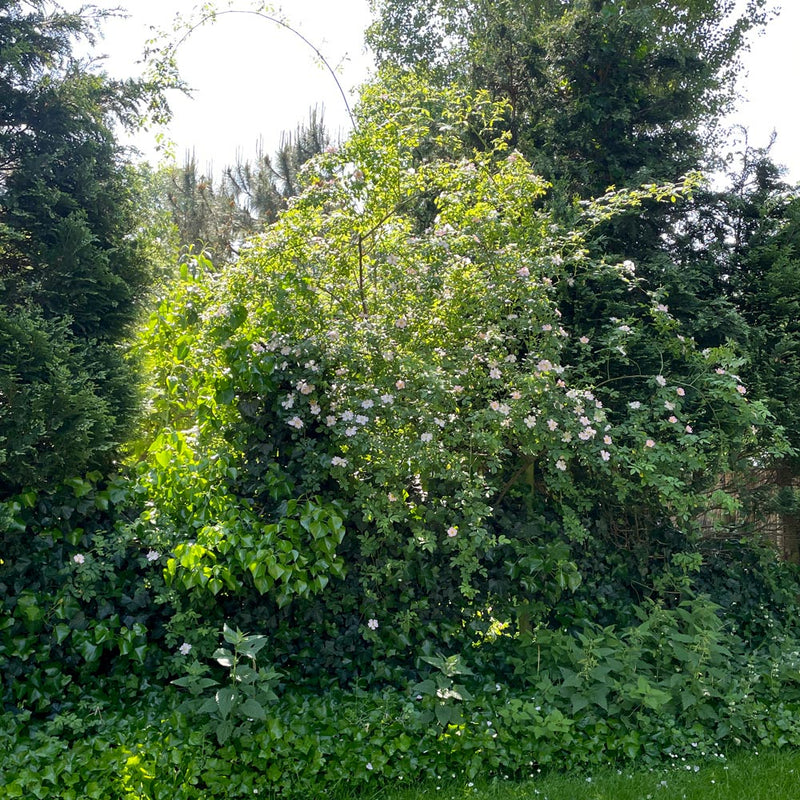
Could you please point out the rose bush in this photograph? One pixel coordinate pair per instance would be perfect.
(379, 429)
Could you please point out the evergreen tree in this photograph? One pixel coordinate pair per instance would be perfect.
(205, 216)
(216, 216)
(747, 237)
(263, 188)
(73, 252)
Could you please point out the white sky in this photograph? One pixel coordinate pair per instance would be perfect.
(253, 79)
(770, 88)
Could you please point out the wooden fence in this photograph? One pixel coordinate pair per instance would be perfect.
(759, 515)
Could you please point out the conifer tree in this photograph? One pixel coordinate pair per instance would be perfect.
(73, 255)
(216, 216)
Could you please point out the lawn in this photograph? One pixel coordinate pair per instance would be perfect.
(768, 776)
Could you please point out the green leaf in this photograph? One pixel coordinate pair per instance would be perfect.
(231, 636)
(276, 570)
(245, 674)
(80, 488)
(253, 644)
(224, 731)
(427, 687)
(89, 650)
(209, 706)
(252, 709)
(61, 632)
(599, 696)
(102, 500)
(687, 700)
(29, 608)
(444, 714)
(225, 396)
(225, 698)
(579, 701)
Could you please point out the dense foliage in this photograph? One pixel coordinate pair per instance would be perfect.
(411, 400)
(74, 257)
(418, 481)
(618, 93)
(602, 92)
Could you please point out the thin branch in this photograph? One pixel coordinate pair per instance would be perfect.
(214, 14)
(361, 275)
(527, 462)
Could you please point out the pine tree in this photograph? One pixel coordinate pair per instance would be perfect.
(216, 216)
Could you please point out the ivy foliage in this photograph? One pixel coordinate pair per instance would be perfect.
(659, 693)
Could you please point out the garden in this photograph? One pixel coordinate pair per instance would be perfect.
(421, 492)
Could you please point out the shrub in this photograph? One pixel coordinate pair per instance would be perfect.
(375, 425)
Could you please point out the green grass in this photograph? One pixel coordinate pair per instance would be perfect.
(769, 776)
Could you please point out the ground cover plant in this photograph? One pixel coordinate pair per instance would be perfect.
(105, 753)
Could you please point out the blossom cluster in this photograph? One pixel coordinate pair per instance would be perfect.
(527, 399)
